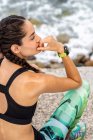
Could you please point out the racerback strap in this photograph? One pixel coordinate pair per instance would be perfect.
(14, 75)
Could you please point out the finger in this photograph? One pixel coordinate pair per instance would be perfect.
(47, 39)
(42, 48)
(43, 45)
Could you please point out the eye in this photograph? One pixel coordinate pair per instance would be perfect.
(33, 38)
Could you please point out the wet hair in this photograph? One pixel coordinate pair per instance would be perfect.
(11, 33)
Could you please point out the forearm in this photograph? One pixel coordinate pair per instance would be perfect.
(71, 69)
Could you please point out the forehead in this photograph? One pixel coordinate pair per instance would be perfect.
(28, 27)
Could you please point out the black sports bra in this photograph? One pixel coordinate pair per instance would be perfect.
(16, 113)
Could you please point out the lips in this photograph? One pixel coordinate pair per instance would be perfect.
(38, 46)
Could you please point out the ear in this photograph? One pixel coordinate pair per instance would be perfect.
(15, 48)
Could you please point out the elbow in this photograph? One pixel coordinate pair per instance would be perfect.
(79, 83)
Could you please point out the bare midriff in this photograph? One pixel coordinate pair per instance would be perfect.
(9, 131)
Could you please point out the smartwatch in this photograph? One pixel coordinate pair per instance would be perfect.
(65, 53)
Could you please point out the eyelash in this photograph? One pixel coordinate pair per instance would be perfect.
(33, 38)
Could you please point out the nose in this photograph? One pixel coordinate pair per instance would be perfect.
(37, 39)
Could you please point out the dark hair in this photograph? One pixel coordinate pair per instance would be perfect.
(11, 33)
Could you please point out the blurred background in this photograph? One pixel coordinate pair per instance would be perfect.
(70, 21)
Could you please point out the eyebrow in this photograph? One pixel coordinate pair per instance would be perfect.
(32, 34)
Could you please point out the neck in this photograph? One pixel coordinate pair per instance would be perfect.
(6, 63)
(20, 56)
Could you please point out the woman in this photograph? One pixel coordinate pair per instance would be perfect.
(22, 84)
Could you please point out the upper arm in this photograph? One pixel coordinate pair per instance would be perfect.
(40, 83)
(52, 83)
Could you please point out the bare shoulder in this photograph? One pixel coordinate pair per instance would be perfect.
(31, 82)
(34, 83)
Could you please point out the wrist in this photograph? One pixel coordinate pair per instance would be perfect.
(64, 53)
(60, 48)
(60, 51)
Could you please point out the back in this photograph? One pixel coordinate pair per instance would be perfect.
(16, 92)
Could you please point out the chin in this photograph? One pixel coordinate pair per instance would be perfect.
(31, 55)
(37, 52)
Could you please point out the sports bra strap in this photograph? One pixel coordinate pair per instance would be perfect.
(2, 89)
(14, 75)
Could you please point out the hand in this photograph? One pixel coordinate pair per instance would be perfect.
(52, 45)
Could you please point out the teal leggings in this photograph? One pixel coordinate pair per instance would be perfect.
(67, 114)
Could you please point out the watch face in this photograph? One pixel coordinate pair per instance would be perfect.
(66, 50)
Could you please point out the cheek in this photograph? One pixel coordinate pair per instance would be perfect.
(30, 49)
(33, 47)
(30, 45)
